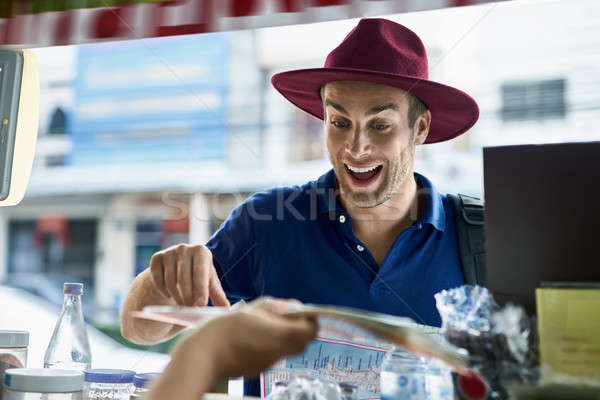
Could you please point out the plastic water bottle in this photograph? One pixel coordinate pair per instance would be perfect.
(405, 376)
(69, 347)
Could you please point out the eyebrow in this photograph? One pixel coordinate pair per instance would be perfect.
(372, 111)
(383, 107)
(336, 106)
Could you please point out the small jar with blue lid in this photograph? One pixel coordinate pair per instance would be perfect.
(107, 384)
(141, 383)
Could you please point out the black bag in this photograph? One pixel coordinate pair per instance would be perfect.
(469, 215)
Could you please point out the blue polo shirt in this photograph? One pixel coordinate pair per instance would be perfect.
(298, 242)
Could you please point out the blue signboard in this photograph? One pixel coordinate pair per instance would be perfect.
(151, 101)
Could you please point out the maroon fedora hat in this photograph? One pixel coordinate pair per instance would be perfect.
(381, 51)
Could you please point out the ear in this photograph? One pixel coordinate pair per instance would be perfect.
(421, 127)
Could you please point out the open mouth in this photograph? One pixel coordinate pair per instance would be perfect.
(363, 176)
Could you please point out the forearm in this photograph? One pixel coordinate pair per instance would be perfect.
(187, 377)
(241, 343)
(142, 293)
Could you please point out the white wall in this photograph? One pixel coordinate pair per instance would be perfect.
(243, 140)
(115, 266)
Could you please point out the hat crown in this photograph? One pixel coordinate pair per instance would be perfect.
(381, 45)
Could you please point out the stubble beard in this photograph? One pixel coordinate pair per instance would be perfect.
(396, 174)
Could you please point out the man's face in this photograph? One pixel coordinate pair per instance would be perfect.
(370, 143)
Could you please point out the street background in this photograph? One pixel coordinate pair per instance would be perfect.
(148, 143)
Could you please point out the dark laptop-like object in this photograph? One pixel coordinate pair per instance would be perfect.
(542, 205)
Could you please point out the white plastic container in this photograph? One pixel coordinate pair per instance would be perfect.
(13, 352)
(114, 384)
(42, 384)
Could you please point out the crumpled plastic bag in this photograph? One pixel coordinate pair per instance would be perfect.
(466, 309)
(502, 342)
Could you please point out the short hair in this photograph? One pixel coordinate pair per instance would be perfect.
(416, 107)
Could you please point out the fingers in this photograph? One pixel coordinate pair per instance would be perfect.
(170, 271)
(305, 329)
(276, 306)
(216, 292)
(200, 276)
(295, 333)
(292, 331)
(187, 275)
(184, 278)
(158, 275)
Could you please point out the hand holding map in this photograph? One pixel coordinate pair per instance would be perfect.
(399, 331)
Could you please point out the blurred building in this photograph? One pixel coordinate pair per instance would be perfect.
(149, 143)
(143, 145)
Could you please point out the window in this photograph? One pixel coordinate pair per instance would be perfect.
(56, 160)
(49, 251)
(538, 100)
(148, 238)
(58, 122)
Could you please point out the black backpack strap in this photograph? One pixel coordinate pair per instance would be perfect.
(469, 215)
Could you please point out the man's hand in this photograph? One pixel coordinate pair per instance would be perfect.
(187, 275)
(242, 343)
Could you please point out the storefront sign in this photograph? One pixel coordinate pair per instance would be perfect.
(137, 19)
(133, 107)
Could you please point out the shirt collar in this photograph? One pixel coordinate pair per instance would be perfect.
(433, 212)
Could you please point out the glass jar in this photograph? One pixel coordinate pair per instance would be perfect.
(104, 384)
(13, 352)
(141, 382)
(406, 376)
(42, 384)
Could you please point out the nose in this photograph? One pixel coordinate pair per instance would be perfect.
(358, 143)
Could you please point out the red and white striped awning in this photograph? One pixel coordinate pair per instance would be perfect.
(142, 19)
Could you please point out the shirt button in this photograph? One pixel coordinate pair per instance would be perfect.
(342, 219)
(359, 247)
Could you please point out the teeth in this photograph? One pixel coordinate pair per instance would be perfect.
(368, 169)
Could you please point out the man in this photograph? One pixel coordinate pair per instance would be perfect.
(241, 343)
(370, 233)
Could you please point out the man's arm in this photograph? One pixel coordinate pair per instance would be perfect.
(186, 275)
(180, 275)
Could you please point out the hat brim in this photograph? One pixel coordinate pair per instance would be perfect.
(453, 112)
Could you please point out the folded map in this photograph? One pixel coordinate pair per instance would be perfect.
(399, 331)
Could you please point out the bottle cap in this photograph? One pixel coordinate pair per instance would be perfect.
(142, 380)
(109, 375)
(43, 380)
(10, 339)
(73, 288)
